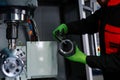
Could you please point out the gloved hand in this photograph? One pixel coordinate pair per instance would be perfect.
(61, 29)
(78, 56)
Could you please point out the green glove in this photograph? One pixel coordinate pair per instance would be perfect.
(79, 56)
(61, 28)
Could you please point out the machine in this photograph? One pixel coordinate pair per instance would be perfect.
(14, 13)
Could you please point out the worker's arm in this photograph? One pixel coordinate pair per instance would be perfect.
(107, 62)
(88, 25)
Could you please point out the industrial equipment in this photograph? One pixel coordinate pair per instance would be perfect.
(14, 13)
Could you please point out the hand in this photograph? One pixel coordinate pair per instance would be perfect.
(62, 29)
(78, 56)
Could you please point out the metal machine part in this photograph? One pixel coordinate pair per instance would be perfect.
(13, 13)
(60, 35)
(12, 34)
(66, 47)
(13, 18)
(12, 67)
(19, 53)
(13, 62)
(11, 43)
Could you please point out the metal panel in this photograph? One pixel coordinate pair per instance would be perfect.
(42, 59)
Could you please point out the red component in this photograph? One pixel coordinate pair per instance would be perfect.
(113, 2)
(112, 39)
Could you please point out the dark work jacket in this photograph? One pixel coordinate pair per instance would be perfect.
(106, 21)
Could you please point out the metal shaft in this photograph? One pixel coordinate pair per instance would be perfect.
(12, 34)
(12, 44)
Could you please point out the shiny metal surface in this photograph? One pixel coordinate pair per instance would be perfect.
(66, 47)
(12, 62)
(42, 59)
(14, 14)
(12, 67)
(18, 15)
